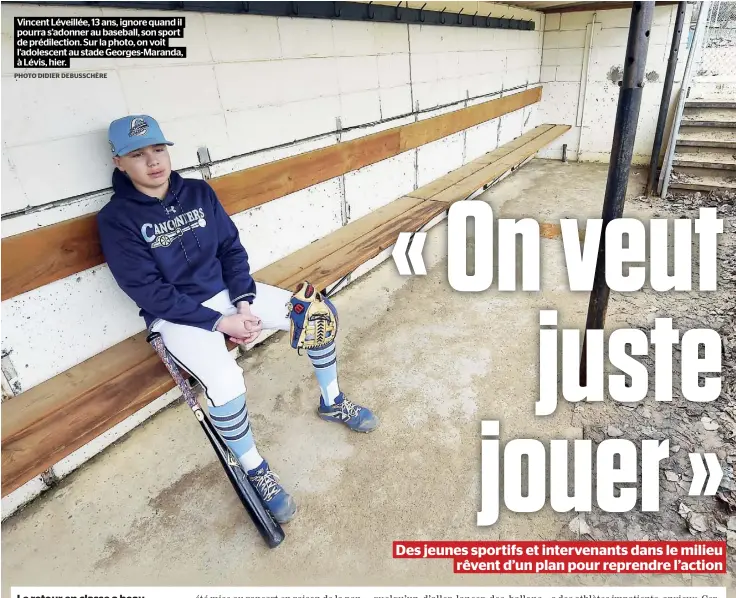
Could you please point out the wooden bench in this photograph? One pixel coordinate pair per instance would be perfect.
(53, 419)
(329, 259)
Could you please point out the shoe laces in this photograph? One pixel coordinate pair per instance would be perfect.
(349, 408)
(267, 484)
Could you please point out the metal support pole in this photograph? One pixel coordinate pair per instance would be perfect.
(664, 105)
(622, 149)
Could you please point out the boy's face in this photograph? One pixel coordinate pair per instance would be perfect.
(148, 167)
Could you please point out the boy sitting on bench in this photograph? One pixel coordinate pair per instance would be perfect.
(176, 253)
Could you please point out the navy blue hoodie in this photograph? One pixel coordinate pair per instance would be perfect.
(170, 255)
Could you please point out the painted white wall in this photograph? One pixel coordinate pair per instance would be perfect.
(566, 37)
(252, 89)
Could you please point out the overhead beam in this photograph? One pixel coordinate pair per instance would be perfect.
(596, 6)
(337, 11)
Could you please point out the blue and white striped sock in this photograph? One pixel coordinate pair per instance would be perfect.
(324, 361)
(233, 424)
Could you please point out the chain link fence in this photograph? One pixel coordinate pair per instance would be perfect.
(718, 55)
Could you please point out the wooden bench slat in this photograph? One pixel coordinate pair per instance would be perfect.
(286, 268)
(333, 267)
(432, 129)
(509, 147)
(86, 377)
(50, 421)
(38, 257)
(493, 171)
(254, 186)
(41, 256)
(245, 189)
(450, 179)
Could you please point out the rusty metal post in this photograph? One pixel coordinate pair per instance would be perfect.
(664, 105)
(622, 149)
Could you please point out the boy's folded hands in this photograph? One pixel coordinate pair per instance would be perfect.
(241, 327)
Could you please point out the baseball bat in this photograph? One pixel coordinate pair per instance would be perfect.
(269, 529)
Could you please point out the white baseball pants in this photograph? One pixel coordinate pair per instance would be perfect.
(204, 354)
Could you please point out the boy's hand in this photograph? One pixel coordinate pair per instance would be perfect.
(244, 308)
(252, 324)
(240, 328)
(253, 327)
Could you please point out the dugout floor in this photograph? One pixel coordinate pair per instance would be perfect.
(156, 509)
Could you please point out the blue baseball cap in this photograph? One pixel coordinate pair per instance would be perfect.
(133, 132)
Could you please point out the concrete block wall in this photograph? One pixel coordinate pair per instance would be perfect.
(252, 90)
(601, 37)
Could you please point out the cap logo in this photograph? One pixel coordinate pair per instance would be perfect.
(138, 127)
(112, 147)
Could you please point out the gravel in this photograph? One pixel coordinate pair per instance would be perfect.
(689, 427)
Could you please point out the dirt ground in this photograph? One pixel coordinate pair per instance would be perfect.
(691, 427)
(156, 509)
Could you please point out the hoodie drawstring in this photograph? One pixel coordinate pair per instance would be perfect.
(176, 197)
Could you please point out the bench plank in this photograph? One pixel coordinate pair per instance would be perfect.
(53, 419)
(333, 267)
(50, 421)
(445, 182)
(509, 147)
(448, 180)
(290, 266)
(493, 171)
(245, 189)
(432, 129)
(41, 256)
(38, 257)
